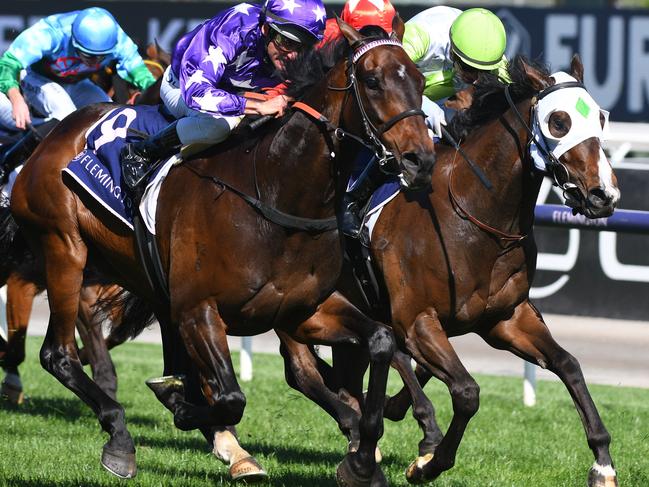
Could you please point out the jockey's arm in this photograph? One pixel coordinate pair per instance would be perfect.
(130, 65)
(30, 46)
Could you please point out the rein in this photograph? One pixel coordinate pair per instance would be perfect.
(557, 170)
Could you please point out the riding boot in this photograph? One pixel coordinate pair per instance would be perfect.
(23, 148)
(137, 158)
(356, 198)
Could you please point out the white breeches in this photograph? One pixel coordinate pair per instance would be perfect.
(194, 126)
(51, 99)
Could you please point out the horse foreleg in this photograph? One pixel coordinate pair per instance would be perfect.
(95, 349)
(428, 344)
(422, 408)
(397, 406)
(304, 373)
(65, 259)
(527, 336)
(20, 297)
(338, 322)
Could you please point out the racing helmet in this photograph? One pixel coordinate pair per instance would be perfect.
(302, 22)
(94, 31)
(359, 13)
(478, 38)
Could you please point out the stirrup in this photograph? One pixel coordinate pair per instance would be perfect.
(133, 173)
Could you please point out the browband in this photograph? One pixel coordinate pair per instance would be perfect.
(371, 45)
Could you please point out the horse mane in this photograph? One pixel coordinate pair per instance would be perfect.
(312, 66)
(489, 100)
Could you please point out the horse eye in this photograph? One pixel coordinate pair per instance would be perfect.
(372, 83)
(559, 123)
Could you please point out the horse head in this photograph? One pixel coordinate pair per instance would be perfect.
(388, 91)
(568, 127)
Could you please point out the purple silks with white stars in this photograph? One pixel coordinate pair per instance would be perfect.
(227, 54)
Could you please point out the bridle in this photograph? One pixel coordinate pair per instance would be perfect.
(373, 133)
(555, 168)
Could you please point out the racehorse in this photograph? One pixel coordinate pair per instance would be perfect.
(21, 288)
(461, 259)
(229, 269)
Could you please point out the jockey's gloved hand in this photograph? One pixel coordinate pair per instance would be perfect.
(434, 116)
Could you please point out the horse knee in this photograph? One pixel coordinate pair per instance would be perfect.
(466, 398)
(382, 345)
(230, 407)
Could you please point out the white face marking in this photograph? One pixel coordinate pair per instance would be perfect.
(401, 72)
(605, 470)
(606, 177)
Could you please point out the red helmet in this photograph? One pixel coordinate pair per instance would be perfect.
(359, 13)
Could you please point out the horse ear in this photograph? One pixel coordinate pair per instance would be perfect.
(539, 80)
(398, 27)
(577, 68)
(351, 34)
(152, 50)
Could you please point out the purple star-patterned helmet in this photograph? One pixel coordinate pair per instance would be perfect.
(300, 20)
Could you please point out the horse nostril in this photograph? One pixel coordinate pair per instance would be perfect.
(598, 197)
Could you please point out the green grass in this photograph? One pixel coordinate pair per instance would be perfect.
(54, 439)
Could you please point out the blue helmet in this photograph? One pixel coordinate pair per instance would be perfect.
(94, 31)
(300, 20)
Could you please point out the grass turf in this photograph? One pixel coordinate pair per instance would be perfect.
(55, 440)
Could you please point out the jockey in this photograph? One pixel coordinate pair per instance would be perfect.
(59, 54)
(243, 48)
(451, 48)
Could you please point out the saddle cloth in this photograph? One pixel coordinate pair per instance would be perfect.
(96, 169)
(381, 196)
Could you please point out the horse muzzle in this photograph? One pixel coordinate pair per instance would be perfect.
(416, 170)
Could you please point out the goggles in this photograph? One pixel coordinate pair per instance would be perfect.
(90, 58)
(284, 43)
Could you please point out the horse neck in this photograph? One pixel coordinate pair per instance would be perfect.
(307, 161)
(500, 149)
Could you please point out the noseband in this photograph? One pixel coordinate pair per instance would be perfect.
(372, 132)
(555, 168)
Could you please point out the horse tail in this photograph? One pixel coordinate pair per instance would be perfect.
(127, 313)
(14, 251)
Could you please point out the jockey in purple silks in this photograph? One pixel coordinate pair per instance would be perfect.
(243, 48)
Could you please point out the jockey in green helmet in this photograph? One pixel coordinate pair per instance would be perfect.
(451, 48)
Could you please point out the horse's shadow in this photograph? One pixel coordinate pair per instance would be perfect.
(66, 409)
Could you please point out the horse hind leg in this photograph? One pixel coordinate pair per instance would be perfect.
(337, 322)
(304, 373)
(422, 408)
(527, 336)
(65, 258)
(20, 297)
(95, 349)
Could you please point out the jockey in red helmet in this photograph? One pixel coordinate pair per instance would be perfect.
(358, 14)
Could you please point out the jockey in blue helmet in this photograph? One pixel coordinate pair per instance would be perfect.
(59, 54)
(243, 48)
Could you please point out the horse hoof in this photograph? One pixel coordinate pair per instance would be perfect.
(345, 476)
(415, 471)
(119, 463)
(163, 387)
(11, 393)
(600, 476)
(247, 469)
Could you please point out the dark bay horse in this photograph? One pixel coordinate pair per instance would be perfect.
(22, 288)
(461, 259)
(230, 270)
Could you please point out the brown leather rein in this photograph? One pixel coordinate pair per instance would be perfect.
(507, 237)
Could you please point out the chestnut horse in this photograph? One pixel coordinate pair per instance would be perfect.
(21, 288)
(463, 259)
(229, 269)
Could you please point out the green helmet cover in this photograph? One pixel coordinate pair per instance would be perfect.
(478, 38)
